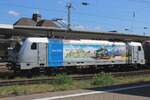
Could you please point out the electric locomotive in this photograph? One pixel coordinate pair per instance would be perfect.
(42, 52)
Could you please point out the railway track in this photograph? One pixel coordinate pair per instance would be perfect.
(75, 77)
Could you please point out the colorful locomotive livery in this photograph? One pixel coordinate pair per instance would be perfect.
(78, 52)
(54, 53)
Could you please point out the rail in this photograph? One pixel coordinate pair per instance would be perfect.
(75, 77)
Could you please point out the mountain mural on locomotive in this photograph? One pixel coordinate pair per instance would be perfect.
(94, 52)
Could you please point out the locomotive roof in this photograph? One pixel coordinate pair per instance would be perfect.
(104, 42)
(82, 41)
(135, 43)
(38, 40)
(45, 40)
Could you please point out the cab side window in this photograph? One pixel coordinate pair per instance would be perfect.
(139, 48)
(33, 46)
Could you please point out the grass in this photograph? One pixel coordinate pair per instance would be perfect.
(62, 79)
(103, 79)
(63, 82)
(27, 89)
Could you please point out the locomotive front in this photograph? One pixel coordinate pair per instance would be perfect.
(12, 55)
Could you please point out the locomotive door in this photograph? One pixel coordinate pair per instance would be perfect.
(42, 52)
(135, 54)
(129, 53)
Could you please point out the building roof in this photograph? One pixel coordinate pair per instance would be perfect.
(36, 20)
(26, 21)
(6, 26)
(46, 23)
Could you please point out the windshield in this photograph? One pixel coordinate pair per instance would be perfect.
(17, 47)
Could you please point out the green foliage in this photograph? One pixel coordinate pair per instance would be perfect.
(98, 81)
(62, 79)
(103, 79)
(12, 90)
(15, 91)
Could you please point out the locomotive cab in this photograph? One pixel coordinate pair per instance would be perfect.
(32, 53)
(137, 53)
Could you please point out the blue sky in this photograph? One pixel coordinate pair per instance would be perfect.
(99, 15)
